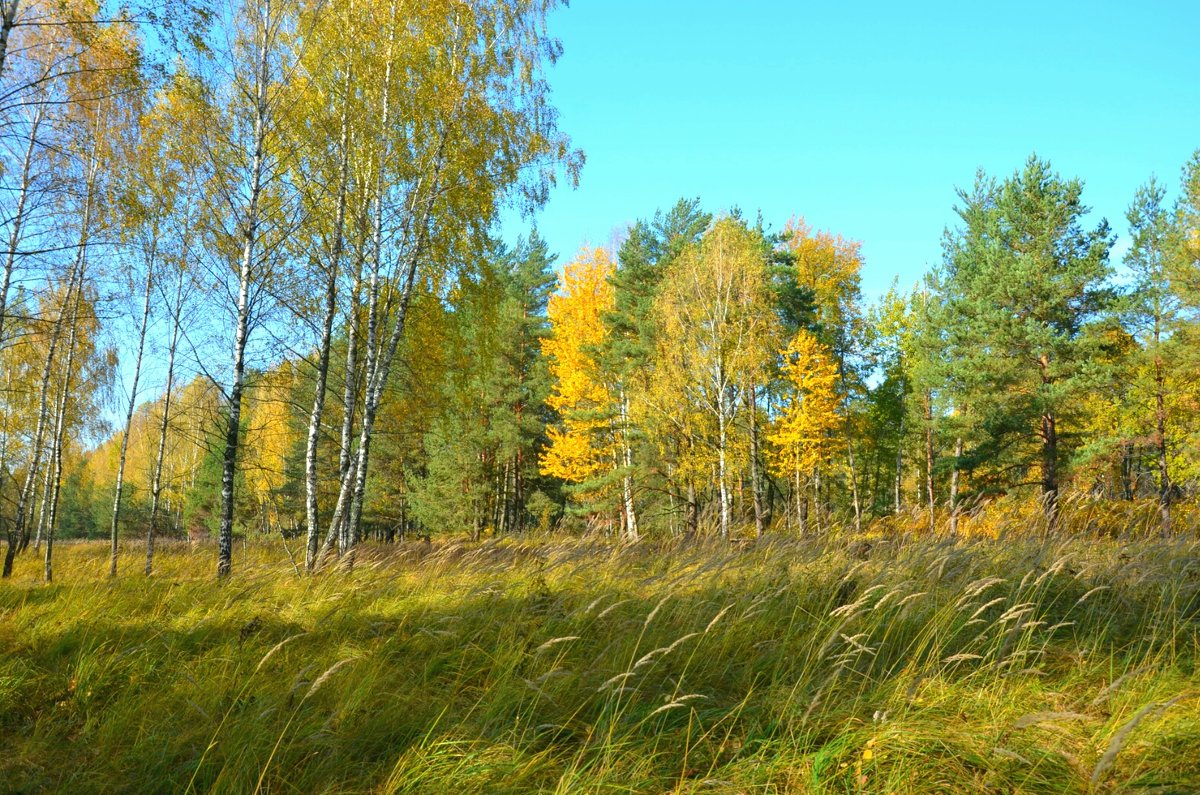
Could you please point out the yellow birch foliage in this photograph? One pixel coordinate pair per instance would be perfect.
(582, 446)
(800, 438)
(717, 331)
(829, 266)
(269, 437)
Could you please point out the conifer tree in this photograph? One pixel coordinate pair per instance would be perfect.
(1024, 295)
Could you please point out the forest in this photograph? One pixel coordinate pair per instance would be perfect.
(256, 288)
(259, 319)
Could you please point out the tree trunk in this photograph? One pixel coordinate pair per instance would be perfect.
(25, 496)
(631, 523)
(801, 503)
(816, 506)
(44, 508)
(755, 478)
(929, 459)
(133, 389)
(1160, 422)
(9, 538)
(343, 524)
(249, 244)
(954, 507)
(60, 423)
(899, 467)
(722, 479)
(312, 516)
(693, 509)
(854, 487)
(164, 425)
(1050, 471)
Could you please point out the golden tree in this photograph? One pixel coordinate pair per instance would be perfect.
(582, 447)
(802, 435)
(716, 326)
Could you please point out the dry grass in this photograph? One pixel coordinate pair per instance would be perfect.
(832, 664)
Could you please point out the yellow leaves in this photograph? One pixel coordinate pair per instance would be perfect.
(269, 436)
(801, 436)
(715, 318)
(571, 454)
(829, 266)
(582, 447)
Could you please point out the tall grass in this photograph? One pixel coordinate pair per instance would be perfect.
(831, 664)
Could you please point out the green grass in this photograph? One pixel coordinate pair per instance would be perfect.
(827, 665)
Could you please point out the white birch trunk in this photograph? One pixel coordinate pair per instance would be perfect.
(164, 425)
(133, 390)
(60, 431)
(318, 406)
(249, 244)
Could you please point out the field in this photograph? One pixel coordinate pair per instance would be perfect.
(827, 665)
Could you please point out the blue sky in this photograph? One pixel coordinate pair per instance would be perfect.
(864, 117)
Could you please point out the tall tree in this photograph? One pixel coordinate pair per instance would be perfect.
(583, 448)
(716, 335)
(1153, 313)
(1024, 294)
(473, 124)
(244, 148)
(802, 435)
(627, 357)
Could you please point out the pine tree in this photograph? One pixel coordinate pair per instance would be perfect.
(1024, 297)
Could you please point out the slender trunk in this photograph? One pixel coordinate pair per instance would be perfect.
(899, 467)
(755, 478)
(1049, 434)
(722, 480)
(929, 459)
(133, 390)
(801, 502)
(318, 407)
(350, 386)
(816, 504)
(693, 509)
(44, 506)
(249, 244)
(344, 522)
(954, 506)
(379, 373)
(1160, 422)
(18, 219)
(1050, 471)
(671, 518)
(10, 540)
(518, 495)
(163, 427)
(631, 523)
(8, 21)
(25, 496)
(60, 435)
(854, 487)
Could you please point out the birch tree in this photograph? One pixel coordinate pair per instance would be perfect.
(466, 123)
(716, 331)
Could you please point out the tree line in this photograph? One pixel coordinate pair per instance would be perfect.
(264, 238)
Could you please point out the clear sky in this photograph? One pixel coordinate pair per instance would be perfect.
(864, 117)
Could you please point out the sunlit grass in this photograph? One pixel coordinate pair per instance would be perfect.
(832, 664)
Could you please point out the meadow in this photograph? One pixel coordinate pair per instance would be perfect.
(844, 664)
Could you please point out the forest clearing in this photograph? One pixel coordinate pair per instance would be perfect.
(823, 434)
(881, 663)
